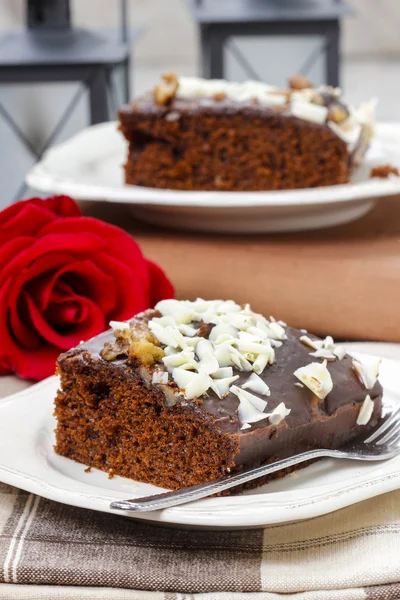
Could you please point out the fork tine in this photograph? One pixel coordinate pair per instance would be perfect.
(388, 423)
(396, 439)
(387, 438)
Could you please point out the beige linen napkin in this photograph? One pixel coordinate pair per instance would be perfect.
(344, 281)
(351, 554)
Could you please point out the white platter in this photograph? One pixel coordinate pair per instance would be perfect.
(27, 461)
(89, 167)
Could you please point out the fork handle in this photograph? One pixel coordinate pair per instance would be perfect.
(195, 492)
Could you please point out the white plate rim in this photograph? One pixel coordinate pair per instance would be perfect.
(40, 177)
(244, 511)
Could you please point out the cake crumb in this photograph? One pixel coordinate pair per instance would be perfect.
(88, 470)
(384, 171)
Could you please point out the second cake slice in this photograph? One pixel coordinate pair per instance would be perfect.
(197, 134)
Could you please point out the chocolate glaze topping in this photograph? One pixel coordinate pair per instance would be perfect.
(293, 354)
(182, 107)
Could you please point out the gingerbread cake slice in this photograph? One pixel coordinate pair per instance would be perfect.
(190, 391)
(197, 134)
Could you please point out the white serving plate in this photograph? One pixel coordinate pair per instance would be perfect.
(89, 167)
(28, 461)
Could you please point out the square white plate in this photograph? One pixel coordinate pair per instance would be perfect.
(28, 461)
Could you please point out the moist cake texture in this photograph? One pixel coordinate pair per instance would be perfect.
(196, 134)
(191, 391)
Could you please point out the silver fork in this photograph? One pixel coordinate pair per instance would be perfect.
(382, 444)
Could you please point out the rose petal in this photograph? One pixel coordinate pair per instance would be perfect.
(76, 245)
(160, 286)
(131, 295)
(36, 365)
(5, 368)
(9, 349)
(85, 328)
(118, 242)
(22, 328)
(44, 274)
(28, 217)
(88, 280)
(63, 206)
(12, 249)
(20, 212)
(42, 271)
(68, 313)
(23, 219)
(82, 277)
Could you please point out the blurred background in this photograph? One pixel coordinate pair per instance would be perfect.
(163, 35)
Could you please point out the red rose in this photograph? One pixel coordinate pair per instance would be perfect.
(63, 277)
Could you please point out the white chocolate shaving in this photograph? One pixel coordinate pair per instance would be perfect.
(340, 352)
(195, 87)
(278, 332)
(322, 353)
(179, 358)
(164, 321)
(187, 330)
(255, 401)
(317, 378)
(180, 311)
(222, 328)
(169, 336)
(247, 413)
(119, 325)
(279, 414)
(367, 370)
(208, 364)
(168, 350)
(223, 356)
(204, 348)
(315, 344)
(260, 363)
(222, 386)
(256, 384)
(309, 112)
(326, 348)
(192, 384)
(366, 411)
(223, 372)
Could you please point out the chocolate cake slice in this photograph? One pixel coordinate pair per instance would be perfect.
(196, 134)
(190, 391)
